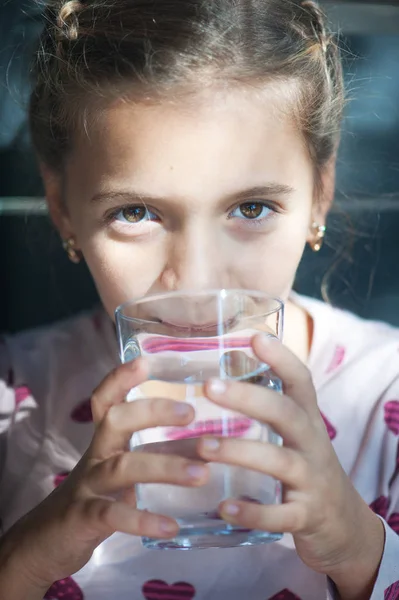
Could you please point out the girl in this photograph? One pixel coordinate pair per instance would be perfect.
(192, 144)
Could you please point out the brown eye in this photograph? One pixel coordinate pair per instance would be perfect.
(134, 214)
(251, 210)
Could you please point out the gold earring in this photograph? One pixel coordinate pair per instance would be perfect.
(69, 246)
(319, 231)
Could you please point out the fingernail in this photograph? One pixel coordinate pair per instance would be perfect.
(231, 509)
(196, 471)
(265, 339)
(182, 409)
(167, 526)
(211, 444)
(217, 387)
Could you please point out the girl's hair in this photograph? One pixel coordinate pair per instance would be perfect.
(93, 51)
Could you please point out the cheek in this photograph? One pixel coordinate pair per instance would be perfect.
(271, 264)
(121, 271)
(125, 270)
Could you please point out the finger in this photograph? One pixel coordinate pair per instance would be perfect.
(276, 518)
(107, 516)
(122, 420)
(266, 406)
(296, 378)
(129, 496)
(186, 447)
(116, 386)
(281, 463)
(123, 470)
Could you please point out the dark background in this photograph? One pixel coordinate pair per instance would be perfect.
(360, 259)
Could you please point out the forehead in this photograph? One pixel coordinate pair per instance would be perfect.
(217, 141)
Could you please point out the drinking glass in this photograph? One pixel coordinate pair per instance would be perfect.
(188, 338)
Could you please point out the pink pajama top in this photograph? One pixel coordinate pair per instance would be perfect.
(46, 380)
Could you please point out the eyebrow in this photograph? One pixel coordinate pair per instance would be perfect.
(270, 189)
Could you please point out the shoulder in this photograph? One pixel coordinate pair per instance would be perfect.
(346, 323)
(71, 331)
(345, 342)
(39, 357)
(48, 378)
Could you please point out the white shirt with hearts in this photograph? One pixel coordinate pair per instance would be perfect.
(46, 380)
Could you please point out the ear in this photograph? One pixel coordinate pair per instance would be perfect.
(54, 197)
(324, 195)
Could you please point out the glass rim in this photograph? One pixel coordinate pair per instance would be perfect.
(119, 311)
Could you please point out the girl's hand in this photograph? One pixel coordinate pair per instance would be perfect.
(58, 537)
(334, 530)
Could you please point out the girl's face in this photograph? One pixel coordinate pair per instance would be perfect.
(217, 193)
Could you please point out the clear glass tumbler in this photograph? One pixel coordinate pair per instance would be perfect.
(188, 338)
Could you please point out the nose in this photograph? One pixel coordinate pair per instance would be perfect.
(197, 260)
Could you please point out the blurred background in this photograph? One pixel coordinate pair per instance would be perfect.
(359, 263)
